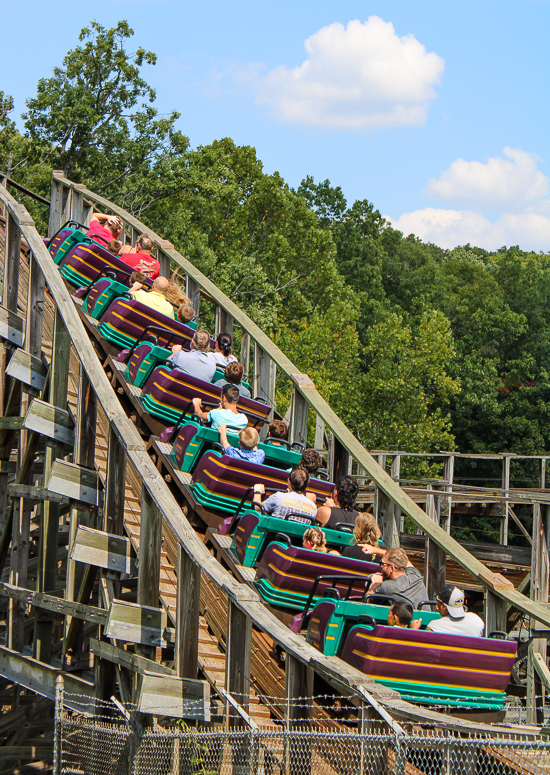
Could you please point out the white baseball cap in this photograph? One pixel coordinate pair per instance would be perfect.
(453, 597)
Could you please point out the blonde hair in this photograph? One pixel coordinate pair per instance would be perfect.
(185, 313)
(176, 296)
(248, 437)
(397, 558)
(316, 538)
(201, 340)
(366, 531)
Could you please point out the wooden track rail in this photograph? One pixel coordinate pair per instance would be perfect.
(76, 379)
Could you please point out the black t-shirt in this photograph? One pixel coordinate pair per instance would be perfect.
(356, 552)
(338, 515)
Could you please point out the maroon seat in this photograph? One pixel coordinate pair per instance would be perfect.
(85, 262)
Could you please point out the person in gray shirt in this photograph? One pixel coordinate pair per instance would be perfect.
(199, 361)
(398, 577)
(234, 373)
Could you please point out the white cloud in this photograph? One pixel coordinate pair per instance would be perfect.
(357, 76)
(449, 228)
(498, 184)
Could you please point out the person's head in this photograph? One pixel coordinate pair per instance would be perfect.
(311, 461)
(113, 246)
(137, 277)
(144, 244)
(298, 479)
(234, 372)
(160, 285)
(400, 614)
(185, 313)
(277, 429)
(230, 395)
(201, 340)
(394, 563)
(223, 344)
(450, 602)
(114, 224)
(314, 538)
(345, 492)
(366, 531)
(249, 438)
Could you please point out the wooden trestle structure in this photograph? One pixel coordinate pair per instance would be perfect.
(176, 624)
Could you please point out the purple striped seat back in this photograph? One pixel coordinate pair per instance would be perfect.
(131, 318)
(56, 242)
(392, 652)
(90, 259)
(318, 623)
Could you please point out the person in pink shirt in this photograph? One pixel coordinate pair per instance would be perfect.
(104, 228)
(140, 258)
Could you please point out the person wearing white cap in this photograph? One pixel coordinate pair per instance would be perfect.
(455, 620)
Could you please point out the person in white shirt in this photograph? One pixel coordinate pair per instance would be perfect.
(455, 620)
(293, 501)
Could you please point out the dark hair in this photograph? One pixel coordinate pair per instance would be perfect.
(404, 612)
(145, 242)
(234, 372)
(137, 277)
(224, 343)
(299, 479)
(231, 393)
(311, 461)
(347, 489)
(113, 246)
(278, 429)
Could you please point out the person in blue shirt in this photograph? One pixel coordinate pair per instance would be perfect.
(227, 413)
(248, 445)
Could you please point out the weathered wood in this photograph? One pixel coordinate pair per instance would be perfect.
(52, 603)
(56, 203)
(194, 293)
(12, 327)
(74, 482)
(12, 262)
(27, 369)
(136, 623)
(77, 203)
(127, 659)
(265, 374)
(237, 662)
(223, 322)
(172, 696)
(540, 576)
(319, 442)
(11, 423)
(298, 690)
(300, 410)
(505, 506)
(115, 485)
(40, 678)
(448, 476)
(35, 494)
(495, 613)
(245, 352)
(19, 557)
(187, 615)
(104, 550)
(163, 258)
(149, 551)
(435, 558)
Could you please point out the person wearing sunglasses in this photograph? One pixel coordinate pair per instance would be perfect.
(398, 577)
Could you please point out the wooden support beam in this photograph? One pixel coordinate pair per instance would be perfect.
(265, 375)
(505, 506)
(341, 460)
(56, 203)
(12, 263)
(28, 369)
(434, 558)
(136, 623)
(18, 573)
(75, 483)
(35, 494)
(51, 421)
(237, 662)
(298, 691)
(55, 604)
(319, 442)
(35, 309)
(12, 327)
(187, 615)
(49, 527)
(540, 576)
(104, 550)
(115, 485)
(168, 695)
(300, 409)
(149, 551)
(163, 258)
(245, 352)
(127, 659)
(194, 293)
(224, 322)
(40, 678)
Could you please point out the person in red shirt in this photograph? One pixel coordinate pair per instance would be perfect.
(104, 228)
(140, 257)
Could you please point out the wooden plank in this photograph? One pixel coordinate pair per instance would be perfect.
(299, 415)
(74, 482)
(149, 551)
(11, 423)
(12, 327)
(115, 485)
(187, 615)
(40, 679)
(35, 309)
(127, 659)
(35, 494)
(19, 557)
(12, 262)
(27, 369)
(172, 696)
(136, 623)
(56, 604)
(104, 550)
(237, 663)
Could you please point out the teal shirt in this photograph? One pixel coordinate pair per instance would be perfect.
(219, 417)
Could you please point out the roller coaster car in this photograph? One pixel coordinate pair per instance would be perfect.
(126, 321)
(330, 621)
(255, 531)
(168, 392)
(432, 668)
(287, 575)
(69, 235)
(193, 439)
(220, 482)
(84, 262)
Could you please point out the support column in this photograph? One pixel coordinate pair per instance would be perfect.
(506, 506)
(149, 557)
(298, 692)
(77, 203)
(540, 573)
(49, 527)
(187, 616)
(224, 322)
(265, 375)
(194, 293)
(299, 410)
(434, 558)
(448, 475)
(56, 203)
(245, 353)
(163, 258)
(237, 661)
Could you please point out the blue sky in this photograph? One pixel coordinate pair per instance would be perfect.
(436, 111)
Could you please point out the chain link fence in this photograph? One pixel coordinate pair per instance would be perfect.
(118, 741)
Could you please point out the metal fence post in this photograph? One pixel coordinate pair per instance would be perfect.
(58, 719)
